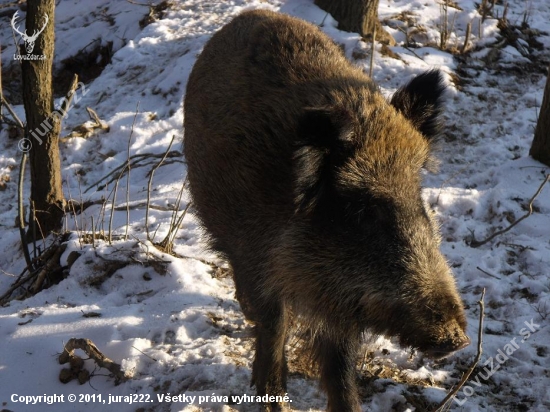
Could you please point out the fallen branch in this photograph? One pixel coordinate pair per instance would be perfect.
(43, 266)
(487, 273)
(87, 128)
(51, 265)
(94, 353)
(465, 377)
(476, 243)
(22, 280)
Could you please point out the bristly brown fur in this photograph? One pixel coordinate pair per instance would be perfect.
(308, 181)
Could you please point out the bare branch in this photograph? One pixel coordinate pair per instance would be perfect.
(137, 161)
(465, 377)
(487, 273)
(128, 168)
(477, 243)
(149, 184)
(12, 112)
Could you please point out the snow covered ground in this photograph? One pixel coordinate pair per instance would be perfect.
(173, 322)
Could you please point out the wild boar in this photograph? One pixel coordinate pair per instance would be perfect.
(309, 183)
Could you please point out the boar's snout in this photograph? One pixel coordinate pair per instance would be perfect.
(455, 343)
(432, 320)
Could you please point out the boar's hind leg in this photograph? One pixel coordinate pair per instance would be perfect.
(269, 371)
(337, 361)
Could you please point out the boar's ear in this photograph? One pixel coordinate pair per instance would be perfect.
(325, 137)
(420, 102)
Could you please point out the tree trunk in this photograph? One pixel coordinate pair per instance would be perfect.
(540, 148)
(357, 16)
(42, 128)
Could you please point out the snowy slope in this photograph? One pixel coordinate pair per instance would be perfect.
(173, 322)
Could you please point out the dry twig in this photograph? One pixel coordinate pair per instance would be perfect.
(149, 184)
(487, 273)
(167, 243)
(44, 265)
(67, 100)
(465, 377)
(467, 37)
(137, 161)
(113, 202)
(477, 243)
(128, 168)
(18, 121)
(50, 265)
(87, 128)
(372, 50)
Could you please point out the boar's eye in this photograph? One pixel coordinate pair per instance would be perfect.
(327, 127)
(381, 210)
(363, 207)
(379, 213)
(324, 140)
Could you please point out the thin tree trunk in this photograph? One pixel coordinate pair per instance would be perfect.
(540, 148)
(357, 16)
(42, 128)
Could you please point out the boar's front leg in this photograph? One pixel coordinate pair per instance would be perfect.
(337, 365)
(269, 371)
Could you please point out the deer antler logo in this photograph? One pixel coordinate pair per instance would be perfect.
(29, 40)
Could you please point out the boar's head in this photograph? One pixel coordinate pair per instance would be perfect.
(371, 241)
